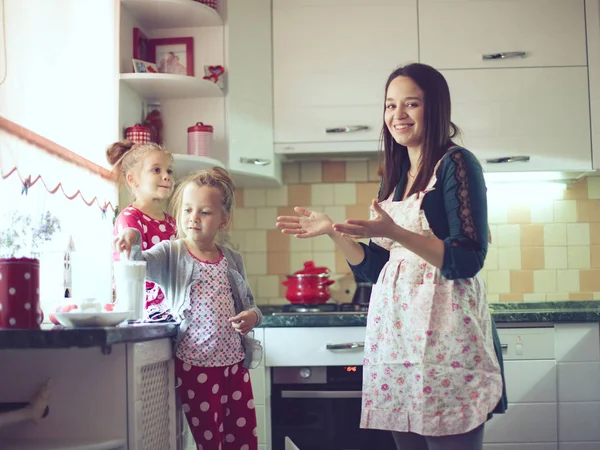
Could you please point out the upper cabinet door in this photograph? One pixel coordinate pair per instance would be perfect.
(331, 61)
(477, 33)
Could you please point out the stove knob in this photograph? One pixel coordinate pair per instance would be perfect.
(305, 372)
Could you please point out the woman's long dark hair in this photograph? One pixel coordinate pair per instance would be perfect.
(439, 130)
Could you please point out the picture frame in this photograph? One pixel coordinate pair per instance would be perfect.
(173, 55)
(140, 66)
(141, 46)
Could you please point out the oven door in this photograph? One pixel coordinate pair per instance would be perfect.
(318, 408)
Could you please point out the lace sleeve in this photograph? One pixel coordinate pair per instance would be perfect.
(465, 203)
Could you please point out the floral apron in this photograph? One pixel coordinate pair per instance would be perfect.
(430, 366)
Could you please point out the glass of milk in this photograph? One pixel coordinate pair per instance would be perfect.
(130, 286)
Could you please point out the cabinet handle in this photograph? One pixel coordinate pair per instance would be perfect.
(350, 129)
(503, 55)
(321, 394)
(255, 161)
(508, 159)
(345, 346)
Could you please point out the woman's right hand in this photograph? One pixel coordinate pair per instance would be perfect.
(124, 241)
(307, 224)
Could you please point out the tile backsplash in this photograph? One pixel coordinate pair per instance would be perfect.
(544, 247)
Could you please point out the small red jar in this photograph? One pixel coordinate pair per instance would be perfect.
(20, 293)
(138, 134)
(200, 138)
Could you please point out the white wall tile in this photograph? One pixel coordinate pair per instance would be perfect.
(555, 234)
(491, 259)
(266, 218)
(277, 196)
(255, 197)
(555, 258)
(544, 281)
(255, 241)
(498, 281)
(509, 258)
(336, 213)
(508, 235)
(244, 219)
(297, 260)
(578, 234)
(322, 194)
(497, 213)
(256, 263)
(357, 171)
(324, 259)
(344, 194)
(300, 245)
(542, 212)
(534, 297)
(579, 257)
(268, 286)
(567, 281)
(565, 211)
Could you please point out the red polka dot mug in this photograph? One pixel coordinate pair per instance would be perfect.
(20, 293)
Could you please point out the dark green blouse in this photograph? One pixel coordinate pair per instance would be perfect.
(456, 210)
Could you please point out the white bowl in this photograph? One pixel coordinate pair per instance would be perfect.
(91, 319)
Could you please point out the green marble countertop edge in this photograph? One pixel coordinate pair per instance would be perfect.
(503, 313)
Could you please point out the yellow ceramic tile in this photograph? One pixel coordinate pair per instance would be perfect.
(521, 281)
(256, 263)
(266, 218)
(277, 241)
(344, 194)
(595, 257)
(508, 235)
(255, 197)
(567, 280)
(311, 172)
(498, 281)
(581, 296)
(589, 280)
(542, 212)
(374, 170)
(578, 234)
(256, 241)
(366, 192)
(357, 171)
(565, 211)
(357, 212)
(268, 286)
(588, 210)
(322, 194)
(518, 213)
(278, 263)
(593, 187)
(511, 297)
(595, 233)
(341, 265)
(244, 219)
(555, 258)
(534, 298)
(544, 281)
(509, 258)
(290, 173)
(532, 258)
(577, 190)
(286, 211)
(579, 257)
(555, 234)
(532, 235)
(334, 171)
(238, 198)
(277, 196)
(299, 195)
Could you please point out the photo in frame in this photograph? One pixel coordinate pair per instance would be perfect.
(141, 46)
(140, 66)
(173, 55)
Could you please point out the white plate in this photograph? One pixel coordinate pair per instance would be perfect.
(91, 319)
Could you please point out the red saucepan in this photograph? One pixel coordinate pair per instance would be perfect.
(309, 285)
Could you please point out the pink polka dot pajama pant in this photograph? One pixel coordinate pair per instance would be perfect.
(219, 406)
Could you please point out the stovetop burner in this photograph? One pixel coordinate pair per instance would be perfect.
(330, 308)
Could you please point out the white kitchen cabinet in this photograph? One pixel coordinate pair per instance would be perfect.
(236, 36)
(542, 113)
(331, 59)
(550, 32)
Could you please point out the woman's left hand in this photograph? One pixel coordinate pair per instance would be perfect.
(382, 225)
(244, 321)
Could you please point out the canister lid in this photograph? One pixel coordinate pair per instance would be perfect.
(201, 127)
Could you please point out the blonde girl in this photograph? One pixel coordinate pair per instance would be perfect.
(211, 298)
(146, 170)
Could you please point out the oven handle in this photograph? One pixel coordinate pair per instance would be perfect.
(345, 346)
(321, 394)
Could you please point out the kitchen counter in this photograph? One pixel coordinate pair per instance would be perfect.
(505, 315)
(51, 336)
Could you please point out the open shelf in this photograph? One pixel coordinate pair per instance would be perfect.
(61, 444)
(160, 86)
(185, 164)
(172, 13)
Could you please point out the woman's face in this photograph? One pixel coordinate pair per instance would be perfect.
(404, 113)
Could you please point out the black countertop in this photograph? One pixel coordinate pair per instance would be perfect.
(505, 314)
(60, 337)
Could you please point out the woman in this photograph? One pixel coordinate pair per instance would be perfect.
(432, 366)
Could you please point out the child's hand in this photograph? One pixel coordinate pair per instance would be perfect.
(124, 241)
(244, 321)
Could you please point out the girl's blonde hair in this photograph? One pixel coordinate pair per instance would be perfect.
(125, 155)
(215, 177)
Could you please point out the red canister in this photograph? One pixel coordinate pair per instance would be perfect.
(138, 134)
(20, 293)
(211, 3)
(200, 138)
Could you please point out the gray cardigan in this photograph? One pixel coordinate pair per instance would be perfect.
(169, 264)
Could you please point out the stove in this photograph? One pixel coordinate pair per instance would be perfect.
(323, 308)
